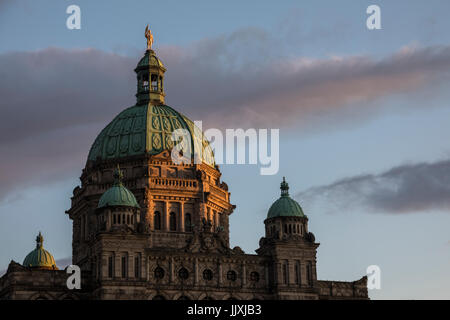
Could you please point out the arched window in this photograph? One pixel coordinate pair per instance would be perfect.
(154, 82)
(157, 220)
(183, 273)
(231, 275)
(145, 84)
(159, 273)
(187, 222)
(254, 276)
(173, 221)
(207, 274)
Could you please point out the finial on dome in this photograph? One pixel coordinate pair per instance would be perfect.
(39, 240)
(149, 36)
(118, 176)
(284, 186)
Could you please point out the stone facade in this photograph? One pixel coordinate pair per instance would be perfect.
(176, 246)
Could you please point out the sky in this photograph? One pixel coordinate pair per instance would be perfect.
(363, 117)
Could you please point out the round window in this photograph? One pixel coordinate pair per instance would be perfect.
(159, 273)
(183, 273)
(207, 274)
(231, 275)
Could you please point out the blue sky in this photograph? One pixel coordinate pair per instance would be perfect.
(382, 104)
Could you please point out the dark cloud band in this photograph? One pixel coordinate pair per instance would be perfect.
(404, 189)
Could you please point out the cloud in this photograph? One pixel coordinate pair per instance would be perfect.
(55, 101)
(63, 263)
(53, 104)
(295, 91)
(404, 189)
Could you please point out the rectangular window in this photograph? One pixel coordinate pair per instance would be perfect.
(110, 267)
(297, 273)
(285, 273)
(124, 267)
(137, 267)
(309, 273)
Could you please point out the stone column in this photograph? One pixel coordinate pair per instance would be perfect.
(195, 271)
(117, 266)
(182, 216)
(314, 272)
(166, 216)
(219, 275)
(216, 222)
(109, 220)
(150, 214)
(146, 267)
(202, 213)
(278, 273)
(244, 274)
(171, 270)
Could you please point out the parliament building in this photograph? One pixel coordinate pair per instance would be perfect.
(147, 228)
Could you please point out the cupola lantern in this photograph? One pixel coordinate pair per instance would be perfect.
(150, 75)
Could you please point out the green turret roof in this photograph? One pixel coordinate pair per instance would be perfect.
(118, 194)
(149, 60)
(285, 206)
(39, 257)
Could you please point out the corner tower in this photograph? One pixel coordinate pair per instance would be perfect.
(290, 247)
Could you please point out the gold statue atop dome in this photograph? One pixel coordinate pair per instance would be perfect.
(149, 36)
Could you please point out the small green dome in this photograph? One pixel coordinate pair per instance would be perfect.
(39, 257)
(285, 206)
(118, 194)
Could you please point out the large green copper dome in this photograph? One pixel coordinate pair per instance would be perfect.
(118, 194)
(146, 129)
(285, 206)
(39, 257)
